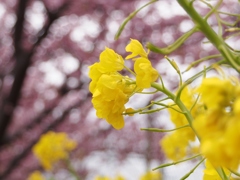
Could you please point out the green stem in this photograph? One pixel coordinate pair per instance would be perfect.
(168, 106)
(205, 28)
(221, 173)
(179, 103)
(72, 170)
(174, 46)
(192, 170)
(175, 66)
(190, 80)
(176, 162)
(201, 60)
(234, 172)
(132, 15)
(163, 130)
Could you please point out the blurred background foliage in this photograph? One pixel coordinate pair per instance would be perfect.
(46, 47)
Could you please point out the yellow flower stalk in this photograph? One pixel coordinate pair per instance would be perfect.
(53, 147)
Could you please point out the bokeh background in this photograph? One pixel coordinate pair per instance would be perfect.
(46, 47)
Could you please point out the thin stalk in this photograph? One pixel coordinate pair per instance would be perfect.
(168, 106)
(179, 103)
(234, 172)
(176, 162)
(163, 130)
(190, 80)
(221, 173)
(192, 170)
(205, 28)
(132, 15)
(72, 170)
(201, 60)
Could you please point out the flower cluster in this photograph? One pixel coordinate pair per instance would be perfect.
(111, 90)
(217, 124)
(209, 112)
(53, 147)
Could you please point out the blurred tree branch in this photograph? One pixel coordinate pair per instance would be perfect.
(14, 163)
(23, 60)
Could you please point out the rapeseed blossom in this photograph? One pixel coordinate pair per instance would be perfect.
(110, 62)
(210, 172)
(111, 90)
(109, 99)
(136, 48)
(175, 146)
(36, 175)
(216, 93)
(150, 175)
(145, 73)
(217, 124)
(53, 147)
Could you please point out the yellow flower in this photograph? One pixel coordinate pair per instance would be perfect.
(101, 178)
(110, 61)
(109, 99)
(136, 48)
(216, 92)
(150, 175)
(175, 145)
(94, 74)
(236, 106)
(145, 73)
(119, 177)
(219, 134)
(36, 175)
(53, 147)
(210, 122)
(218, 124)
(232, 145)
(211, 174)
(110, 89)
